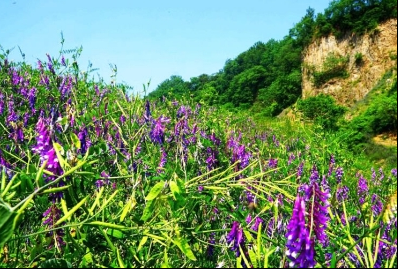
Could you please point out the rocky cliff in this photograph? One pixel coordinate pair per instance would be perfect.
(363, 59)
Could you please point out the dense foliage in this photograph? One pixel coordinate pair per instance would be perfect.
(379, 116)
(267, 77)
(92, 177)
(322, 110)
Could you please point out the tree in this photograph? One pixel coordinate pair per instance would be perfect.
(174, 86)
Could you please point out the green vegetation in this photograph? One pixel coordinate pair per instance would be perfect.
(333, 67)
(374, 115)
(198, 173)
(322, 110)
(266, 79)
(378, 116)
(93, 177)
(358, 58)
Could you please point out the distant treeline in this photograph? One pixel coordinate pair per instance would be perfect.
(267, 77)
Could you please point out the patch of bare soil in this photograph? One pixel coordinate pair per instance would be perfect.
(386, 139)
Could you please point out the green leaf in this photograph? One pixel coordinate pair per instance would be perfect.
(129, 206)
(7, 188)
(333, 260)
(165, 264)
(148, 210)
(185, 248)
(239, 262)
(142, 242)
(72, 211)
(248, 235)
(120, 261)
(96, 202)
(55, 263)
(115, 233)
(6, 223)
(59, 152)
(3, 179)
(155, 191)
(86, 261)
(57, 189)
(76, 141)
(106, 224)
(174, 189)
(253, 258)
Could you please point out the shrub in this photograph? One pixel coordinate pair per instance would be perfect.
(334, 66)
(358, 58)
(322, 110)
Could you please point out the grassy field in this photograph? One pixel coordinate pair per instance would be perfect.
(94, 177)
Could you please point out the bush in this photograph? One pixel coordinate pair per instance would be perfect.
(334, 66)
(322, 110)
(358, 58)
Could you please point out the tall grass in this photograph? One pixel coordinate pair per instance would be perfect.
(94, 177)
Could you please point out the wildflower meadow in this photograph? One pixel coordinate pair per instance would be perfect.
(93, 176)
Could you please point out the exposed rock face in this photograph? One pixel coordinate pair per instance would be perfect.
(379, 54)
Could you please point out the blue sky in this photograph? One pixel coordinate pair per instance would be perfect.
(147, 39)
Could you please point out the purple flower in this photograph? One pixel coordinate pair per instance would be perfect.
(314, 174)
(182, 111)
(40, 65)
(239, 154)
(66, 86)
(157, 132)
(362, 189)
(214, 139)
(52, 215)
(381, 176)
(85, 142)
(211, 160)
(16, 79)
(300, 247)
(325, 184)
(32, 99)
(122, 119)
(163, 161)
(273, 163)
(258, 221)
(339, 174)
(318, 215)
(147, 115)
(291, 158)
(210, 248)
(63, 61)
(342, 193)
(44, 148)
(105, 176)
(393, 171)
(50, 64)
(248, 219)
(236, 236)
(300, 170)
(373, 174)
(376, 205)
(99, 183)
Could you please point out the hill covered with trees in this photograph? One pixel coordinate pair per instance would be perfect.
(267, 77)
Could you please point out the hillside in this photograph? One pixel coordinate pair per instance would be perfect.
(343, 52)
(366, 59)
